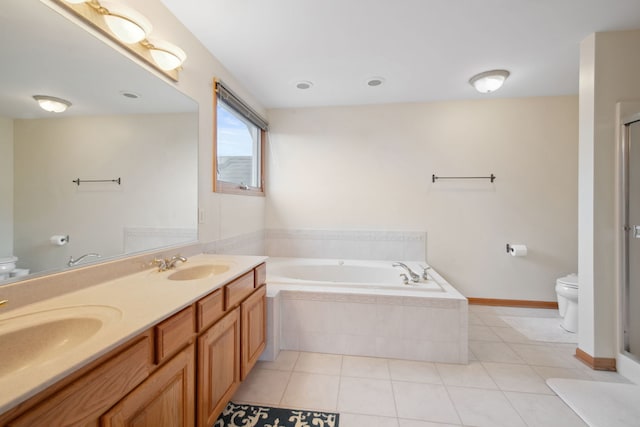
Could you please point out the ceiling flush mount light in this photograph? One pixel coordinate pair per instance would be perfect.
(52, 104)
(168, 56)
(130, 29)
(304, 85)
(489, 81)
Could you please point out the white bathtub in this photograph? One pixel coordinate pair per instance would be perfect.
(373, 275)
(363, 308)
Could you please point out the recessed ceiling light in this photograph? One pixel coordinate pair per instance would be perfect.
(304, 84)
(375, 81)
(128, 94)
(489, 81)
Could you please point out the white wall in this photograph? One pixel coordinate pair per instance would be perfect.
(609, 69)
(225, 215)
(6, 187)
(370, 167)
(157, 192)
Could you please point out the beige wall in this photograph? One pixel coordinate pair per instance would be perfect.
(225, 215)
(609, 69)
(370, 167)
(155, 155)
(6, 187)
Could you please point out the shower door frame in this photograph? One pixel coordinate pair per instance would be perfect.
(626, 232)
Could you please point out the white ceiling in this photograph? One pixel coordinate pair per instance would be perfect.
(425, 49)
(43, 53)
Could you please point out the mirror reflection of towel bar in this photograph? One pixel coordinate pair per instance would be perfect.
(434, 178)
(78, 181)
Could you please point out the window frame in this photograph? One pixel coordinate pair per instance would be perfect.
(227, 187)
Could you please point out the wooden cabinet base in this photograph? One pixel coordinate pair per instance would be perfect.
(165, 399)
(254, 329)
(181, 372)
(218, 367)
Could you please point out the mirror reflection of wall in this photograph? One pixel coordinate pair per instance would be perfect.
(105, 218)
(150, 142)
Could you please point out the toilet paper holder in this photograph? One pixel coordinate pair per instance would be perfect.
(516, 250)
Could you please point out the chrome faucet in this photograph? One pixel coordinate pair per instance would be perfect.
(73, 262)
(425, 272)
(414, 277)
(168, 263)
(174, 259)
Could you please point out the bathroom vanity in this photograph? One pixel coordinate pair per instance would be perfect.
(151, 349)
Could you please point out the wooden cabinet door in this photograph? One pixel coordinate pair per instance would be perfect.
(218, 367)
(165, 399)
(82, 402)
(254, 329)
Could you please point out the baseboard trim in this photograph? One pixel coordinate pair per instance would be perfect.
(596, 363)
(513, 303)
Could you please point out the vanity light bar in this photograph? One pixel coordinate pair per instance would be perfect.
(130, 30)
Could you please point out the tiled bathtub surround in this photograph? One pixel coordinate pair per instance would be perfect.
(348, 244)
(365, 320)
(410, 328)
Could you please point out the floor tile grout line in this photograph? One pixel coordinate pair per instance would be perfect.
(284, 392)
(514, 408)
(339, 385)
(453, 403)
(393, 392)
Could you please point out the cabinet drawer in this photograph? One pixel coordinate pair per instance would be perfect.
(210, 309)
(83, 401)
(238, 290)
(174, 333)
(261, 275)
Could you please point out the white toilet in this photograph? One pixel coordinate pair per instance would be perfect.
(567, 291)
(7, 265)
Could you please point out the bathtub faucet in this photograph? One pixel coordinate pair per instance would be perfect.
(414, 277)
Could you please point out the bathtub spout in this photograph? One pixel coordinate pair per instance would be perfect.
(414, 277)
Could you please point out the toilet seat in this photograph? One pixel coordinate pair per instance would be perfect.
(570, 281)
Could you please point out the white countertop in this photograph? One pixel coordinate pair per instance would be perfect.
(133, 304)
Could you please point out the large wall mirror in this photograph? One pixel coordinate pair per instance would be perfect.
(124, 123)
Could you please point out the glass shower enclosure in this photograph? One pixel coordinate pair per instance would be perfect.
(631, 240)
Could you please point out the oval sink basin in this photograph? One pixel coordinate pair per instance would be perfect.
(39, 337)
(199, 272)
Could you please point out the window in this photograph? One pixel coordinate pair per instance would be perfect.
(238, 145)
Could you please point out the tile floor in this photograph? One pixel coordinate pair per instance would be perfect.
(503, 384)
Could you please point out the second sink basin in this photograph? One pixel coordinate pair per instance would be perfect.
(199, 272)
(39, 337)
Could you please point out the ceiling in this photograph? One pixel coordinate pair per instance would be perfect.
(43, 53)
(426, 50)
